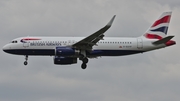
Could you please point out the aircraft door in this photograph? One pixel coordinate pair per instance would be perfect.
(139, 43)
(26, 44)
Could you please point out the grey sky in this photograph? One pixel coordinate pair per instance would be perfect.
(151, 76)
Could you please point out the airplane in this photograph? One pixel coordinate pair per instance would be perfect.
(67, 50)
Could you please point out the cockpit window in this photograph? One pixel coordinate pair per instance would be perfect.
(14, 41)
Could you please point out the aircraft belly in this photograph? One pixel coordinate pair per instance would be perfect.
(113, 52)
(31, 51)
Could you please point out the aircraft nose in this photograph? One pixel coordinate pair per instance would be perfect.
(5, 48)
(8, 49)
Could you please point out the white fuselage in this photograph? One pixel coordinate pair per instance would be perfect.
(109, 46)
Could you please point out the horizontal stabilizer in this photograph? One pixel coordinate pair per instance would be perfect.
(164, 40)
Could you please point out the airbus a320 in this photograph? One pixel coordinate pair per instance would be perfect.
(68, 50)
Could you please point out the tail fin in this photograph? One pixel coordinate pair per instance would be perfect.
(160, 27)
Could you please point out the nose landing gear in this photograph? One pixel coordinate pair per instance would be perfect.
(26, 58)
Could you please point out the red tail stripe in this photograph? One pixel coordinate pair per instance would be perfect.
(165, 19)
(170, 42)
(153, 36)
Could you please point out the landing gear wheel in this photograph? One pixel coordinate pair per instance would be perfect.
(25, 62)
(85, 60)
(26, 58)
(83, 66)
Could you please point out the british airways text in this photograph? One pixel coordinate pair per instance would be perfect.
(45, 44)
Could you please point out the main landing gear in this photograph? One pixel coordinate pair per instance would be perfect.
(84, 62)
(26, 58)
(84, 59)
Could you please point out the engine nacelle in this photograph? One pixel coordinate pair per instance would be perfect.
(66, 51)
(64, 60)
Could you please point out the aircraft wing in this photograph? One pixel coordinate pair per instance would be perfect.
(88, 42)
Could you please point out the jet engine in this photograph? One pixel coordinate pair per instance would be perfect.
(66, 51)
(64, 60)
